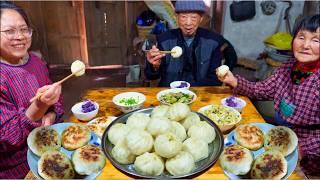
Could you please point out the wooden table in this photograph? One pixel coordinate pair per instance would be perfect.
(206, 96)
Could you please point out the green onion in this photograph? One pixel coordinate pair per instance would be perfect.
(128, 101)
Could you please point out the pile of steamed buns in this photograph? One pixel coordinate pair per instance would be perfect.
(171, 138)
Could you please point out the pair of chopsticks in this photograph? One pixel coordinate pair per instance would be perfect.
(38, 95)
(165, 52)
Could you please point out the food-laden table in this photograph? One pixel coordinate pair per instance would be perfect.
(205, 96)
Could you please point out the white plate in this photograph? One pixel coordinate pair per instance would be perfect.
(33, 159)
(292, 158)
(94, 121)
(176, 90)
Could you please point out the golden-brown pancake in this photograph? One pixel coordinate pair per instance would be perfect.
(75, 136)
(269, 165)
(42, 139)
(249, 136)
(98, 130)
(55, 165)
(282, 139)
(88, 159)
(236, 159)
(103, 121)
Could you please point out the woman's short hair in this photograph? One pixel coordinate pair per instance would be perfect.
(309, 23)
(10, 5)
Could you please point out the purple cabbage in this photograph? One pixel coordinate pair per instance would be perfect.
(231, 101)
(88, 106)
(182, 85)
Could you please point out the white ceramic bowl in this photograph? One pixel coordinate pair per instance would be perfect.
(224, 127)
(176, 90)
(240, 103)
(138, 97)
(177, 84)
(77, 111)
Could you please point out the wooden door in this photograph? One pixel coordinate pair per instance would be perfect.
(65, 31)
(106, 33)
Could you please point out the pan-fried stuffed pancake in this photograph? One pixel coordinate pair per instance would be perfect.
(282, 139)
(98, 130)
(236, 159)
(75, 136)
(103, 121)
(249, 136)
(88, 159)
(269, 165)
(55, 165)
(42, 139)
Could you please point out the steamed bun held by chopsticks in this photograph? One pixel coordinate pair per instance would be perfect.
(78, 68)
(176, 51)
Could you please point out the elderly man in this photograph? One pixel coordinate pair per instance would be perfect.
(201, 50)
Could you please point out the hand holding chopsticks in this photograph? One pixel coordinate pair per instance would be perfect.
(77, 69)
(175, 51)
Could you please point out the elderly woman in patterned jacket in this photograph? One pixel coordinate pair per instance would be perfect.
(202, 50)
(295, 89)
(22, 75)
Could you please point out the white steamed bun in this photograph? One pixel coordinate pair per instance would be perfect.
(139, 141)
(149, 164)
(78, 68)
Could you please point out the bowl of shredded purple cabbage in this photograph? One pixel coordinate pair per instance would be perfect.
(85, 110)
(234, 102)
(180, 84)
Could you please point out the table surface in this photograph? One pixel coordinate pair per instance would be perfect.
(205, 96)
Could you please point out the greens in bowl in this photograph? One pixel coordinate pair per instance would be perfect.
(171, 96)
(129, 101)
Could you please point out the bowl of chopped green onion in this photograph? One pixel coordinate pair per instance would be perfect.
(129, 101)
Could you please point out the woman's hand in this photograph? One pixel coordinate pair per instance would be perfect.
(51, 94)
(154, 57)
(229, 79)
(48, 119)
(38, 108)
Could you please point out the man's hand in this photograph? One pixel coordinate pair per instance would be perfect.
(154, 57)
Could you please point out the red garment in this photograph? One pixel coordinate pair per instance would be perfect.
(307, 67)
(18, 84)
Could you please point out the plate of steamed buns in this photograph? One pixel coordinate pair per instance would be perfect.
(163, 142)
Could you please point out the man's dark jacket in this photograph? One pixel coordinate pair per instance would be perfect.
(196, 65)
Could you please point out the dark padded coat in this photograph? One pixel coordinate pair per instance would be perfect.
(197, 64)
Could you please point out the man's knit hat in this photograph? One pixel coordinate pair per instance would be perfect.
(190, 6)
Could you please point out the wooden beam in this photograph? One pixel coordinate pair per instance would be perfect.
(218, 15)
(82, 31)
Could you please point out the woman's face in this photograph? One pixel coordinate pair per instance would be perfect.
(306, 46)
(189, 22)
(13, 39)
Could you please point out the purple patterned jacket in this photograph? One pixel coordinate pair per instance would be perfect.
(18, 84)
(298, 105)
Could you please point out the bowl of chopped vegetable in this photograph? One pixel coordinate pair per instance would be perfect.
(225, 117)
(180, 84)
(234, 102)
(85, 110)
(171, 96)
(129, 101)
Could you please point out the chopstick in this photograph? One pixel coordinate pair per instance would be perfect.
(38, 95)
(166, 52)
